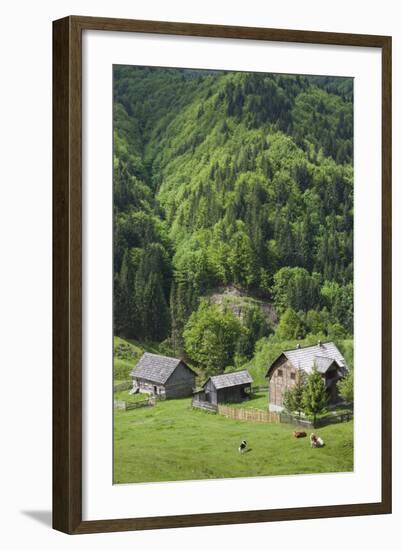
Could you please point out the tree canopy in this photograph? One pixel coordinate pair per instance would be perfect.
(226, 179)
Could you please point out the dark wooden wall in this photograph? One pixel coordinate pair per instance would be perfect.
(234, 394)
(181, 383)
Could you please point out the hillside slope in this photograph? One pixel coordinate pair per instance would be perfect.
(231, 180)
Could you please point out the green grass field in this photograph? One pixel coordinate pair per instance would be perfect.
(172, 441)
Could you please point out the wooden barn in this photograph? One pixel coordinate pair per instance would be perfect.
(163, 376)
(282, 373)
(231, 387)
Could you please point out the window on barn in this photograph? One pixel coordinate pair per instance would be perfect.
(293, 376)
(279, 372)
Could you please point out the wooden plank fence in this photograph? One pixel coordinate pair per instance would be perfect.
(249, 415)
(257, 389)
(290, 419)
(333, 419)
(129, 405)
(320, 422)
(204, 405)
(270, 417)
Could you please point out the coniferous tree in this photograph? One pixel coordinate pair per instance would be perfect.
(294, 397)
(125, 293)
(314, 395)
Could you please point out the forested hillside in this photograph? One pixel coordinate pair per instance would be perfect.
(231, 181)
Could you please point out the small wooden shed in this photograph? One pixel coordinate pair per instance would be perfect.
(282, 373)
(163, 376)
(230, 387)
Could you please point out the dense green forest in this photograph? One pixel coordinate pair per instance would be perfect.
(233, 211)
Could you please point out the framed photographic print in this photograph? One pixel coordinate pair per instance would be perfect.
(222, 274)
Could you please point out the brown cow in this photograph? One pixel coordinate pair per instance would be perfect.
(299, 434)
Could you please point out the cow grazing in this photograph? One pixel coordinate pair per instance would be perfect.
(316, 441)
(299, 434)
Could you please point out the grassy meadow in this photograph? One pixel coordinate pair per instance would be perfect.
(172, 441)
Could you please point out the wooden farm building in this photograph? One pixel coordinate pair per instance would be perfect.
(164, 376)
(282, 373)
(223, 388)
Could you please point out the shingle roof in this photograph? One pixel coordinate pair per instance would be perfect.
(322, 364)
(321, 356)
(155, 368)
(231, 379)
